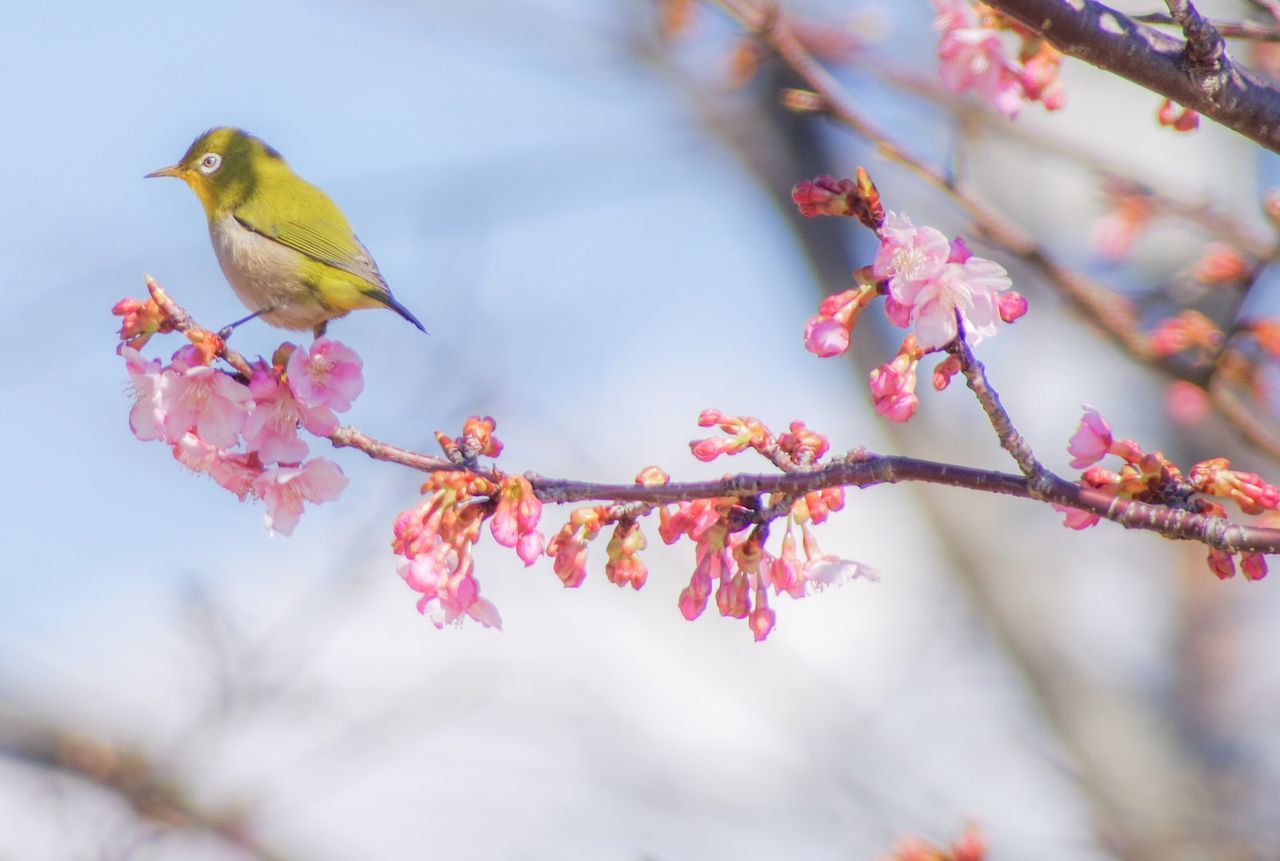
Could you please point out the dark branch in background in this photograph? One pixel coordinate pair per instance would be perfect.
(128, 774)
(1222, 90)
(858, 468)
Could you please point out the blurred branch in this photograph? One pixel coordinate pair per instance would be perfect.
(125, 772)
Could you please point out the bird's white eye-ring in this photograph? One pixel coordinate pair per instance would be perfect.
(211, 162)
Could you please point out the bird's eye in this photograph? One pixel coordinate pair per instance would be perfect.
(211, 162)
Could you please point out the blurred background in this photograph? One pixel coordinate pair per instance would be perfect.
(591, 220)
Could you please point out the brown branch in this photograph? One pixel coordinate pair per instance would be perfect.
(1219, 89)
(1206, 49)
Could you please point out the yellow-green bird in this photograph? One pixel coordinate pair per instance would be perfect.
(284, 245)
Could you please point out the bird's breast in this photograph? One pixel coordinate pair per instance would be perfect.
(266, 274)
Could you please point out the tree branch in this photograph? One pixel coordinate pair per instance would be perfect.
(1195, 74)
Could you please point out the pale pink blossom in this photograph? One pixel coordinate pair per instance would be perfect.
(327, 374)
(272, 428)
(898, 314)
(971, 288)
(234, 471)
(147, 379)
(974, 58)
(824, 572)
(284, 489)
(1091, 441)
(205, 400)
(448, 587)
(909, 256)
(931, 278)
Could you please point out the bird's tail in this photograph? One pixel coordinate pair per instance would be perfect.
(390, 301)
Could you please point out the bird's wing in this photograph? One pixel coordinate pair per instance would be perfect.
(311, 224)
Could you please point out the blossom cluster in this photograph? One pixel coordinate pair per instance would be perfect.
(731, 562)
(1151, 477)
(242, 431)
(973, 55)
(934, 286)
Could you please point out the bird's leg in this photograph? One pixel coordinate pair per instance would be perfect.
(319, 329)
(225, 332)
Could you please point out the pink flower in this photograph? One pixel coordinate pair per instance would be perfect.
(1091, 441)
(930, 279)
(909, 256)
(693, 598)
(762, 619)
(1253, 566)
(1074, 518)
(147, 380)
(571, 561)
(898, 314)
(826, 337)
(1012, 306)
(205, 400)
(1222, 564)
(515, 520)
(284, 489)
(328, 374)
(974, 58)
(232, 470)
(893, 386)
(448, 587)
(1186, 403)
(272, 428)
(972, 288)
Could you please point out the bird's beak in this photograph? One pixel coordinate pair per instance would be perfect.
(172, 170)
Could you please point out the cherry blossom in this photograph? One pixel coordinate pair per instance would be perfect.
(284, 489)
(326, 374)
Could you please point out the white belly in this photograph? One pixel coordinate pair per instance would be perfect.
(264, 274)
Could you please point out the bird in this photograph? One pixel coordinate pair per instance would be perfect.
(283, 244)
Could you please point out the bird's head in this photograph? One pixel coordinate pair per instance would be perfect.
(222, 167)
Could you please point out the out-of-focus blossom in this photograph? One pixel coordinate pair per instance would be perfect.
(1221, 265)
(1186, 403)
(1189, 330)
(1178, 118)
